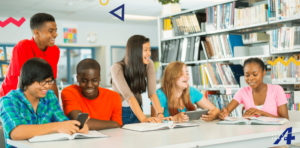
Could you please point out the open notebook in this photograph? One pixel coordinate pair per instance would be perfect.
(254, 120)
(142, 127)
(63, 136)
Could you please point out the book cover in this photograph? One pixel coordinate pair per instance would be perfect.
(9, 51)
(4, 69)
(2, 53)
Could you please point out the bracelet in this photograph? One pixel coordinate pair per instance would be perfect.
(159, 113)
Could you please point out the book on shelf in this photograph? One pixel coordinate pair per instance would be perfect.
(261, 120)
(255, 37)
(143, 127)
(4, 69)
(282, 73)
(63, 136)
(293, 98)
(214, 75)
(167, 30)
(221, 101)
(222, 16)
(9, 51)
(186, 49)
(185, 24)
(283, 9)
(221, 46)
(250, 15)
(2, 53)
(285, 38)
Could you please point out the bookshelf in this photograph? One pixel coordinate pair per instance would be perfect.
(254, 28)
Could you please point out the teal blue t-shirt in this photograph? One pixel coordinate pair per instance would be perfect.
(195, 96)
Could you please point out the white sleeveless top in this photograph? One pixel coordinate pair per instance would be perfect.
(259, 107)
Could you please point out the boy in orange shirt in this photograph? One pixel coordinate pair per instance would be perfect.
(103, 105)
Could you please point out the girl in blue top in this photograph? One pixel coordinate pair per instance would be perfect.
(177, 97)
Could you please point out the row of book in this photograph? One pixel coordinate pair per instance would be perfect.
(215, 75)
(293, 98)
(186, 49)
(255, 37)
(289, 73)
(221, 46)
(221, 101)
(188, 23)
(250, 15)
(8, 53)
(222, 16)
(285, 38)
(283, 9)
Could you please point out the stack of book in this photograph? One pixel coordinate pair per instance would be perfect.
(186, 49)
(256, 37)
(283, 9)
(221, 46)
(215, 75)
(222, 16)
(250, 15)
(221, 101)
(289, 73)
(285, 38)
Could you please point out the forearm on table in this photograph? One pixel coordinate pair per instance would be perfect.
(22, 132)
(269, 115)
(136, 109)
(156, 104)
(95, 124)
(216, 112)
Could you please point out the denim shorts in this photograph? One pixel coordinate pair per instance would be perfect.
(128, 116)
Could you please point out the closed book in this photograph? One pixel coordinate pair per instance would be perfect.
(237, 71)
(235, 40)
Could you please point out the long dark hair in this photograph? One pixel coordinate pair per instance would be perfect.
(133, 66)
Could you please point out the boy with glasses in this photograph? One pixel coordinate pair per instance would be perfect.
(33, 109)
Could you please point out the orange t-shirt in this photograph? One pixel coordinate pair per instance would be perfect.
(107, 106)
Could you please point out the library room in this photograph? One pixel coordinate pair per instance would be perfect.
(149, 73)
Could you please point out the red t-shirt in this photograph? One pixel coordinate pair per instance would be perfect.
(107, 106)
(23, 51)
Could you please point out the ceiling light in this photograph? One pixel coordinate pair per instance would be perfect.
(138, 17)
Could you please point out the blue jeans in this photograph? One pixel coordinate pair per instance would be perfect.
(128, 116)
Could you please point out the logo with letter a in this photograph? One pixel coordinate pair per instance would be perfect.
(288, 138)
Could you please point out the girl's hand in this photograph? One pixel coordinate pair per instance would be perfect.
(252, 111)
(181, 117)
(209, 117)
(154, 120)
(223, 114)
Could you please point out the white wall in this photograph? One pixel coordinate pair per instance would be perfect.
(108, 35)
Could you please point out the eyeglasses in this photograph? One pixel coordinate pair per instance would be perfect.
(42, 83)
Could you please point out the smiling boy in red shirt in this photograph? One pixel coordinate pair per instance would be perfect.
(41, 45)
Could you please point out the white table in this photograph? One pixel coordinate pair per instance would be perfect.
(207, 134)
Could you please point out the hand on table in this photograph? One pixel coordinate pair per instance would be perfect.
(209, 117)
(223, 114)
(181, 117)
(252, 111)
